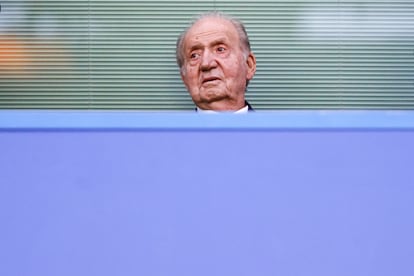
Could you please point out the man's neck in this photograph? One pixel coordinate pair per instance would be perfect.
(244, 109)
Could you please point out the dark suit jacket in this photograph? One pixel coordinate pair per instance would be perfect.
(250, 107)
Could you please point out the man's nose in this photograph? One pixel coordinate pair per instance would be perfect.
(208, 61)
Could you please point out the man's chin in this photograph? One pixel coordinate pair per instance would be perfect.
(212, 95)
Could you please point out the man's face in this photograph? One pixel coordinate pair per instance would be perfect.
(215, 68)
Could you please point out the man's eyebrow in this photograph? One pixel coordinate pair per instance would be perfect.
(221, 40)
(197, 45)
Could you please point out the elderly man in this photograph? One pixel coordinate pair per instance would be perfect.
(216, 63)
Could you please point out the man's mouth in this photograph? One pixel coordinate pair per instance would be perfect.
(210, 79)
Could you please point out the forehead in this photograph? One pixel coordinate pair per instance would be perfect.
(211, 29)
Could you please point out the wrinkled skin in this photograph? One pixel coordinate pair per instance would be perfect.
(216, 69)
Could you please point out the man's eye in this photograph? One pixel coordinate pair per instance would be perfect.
(194, 55)
(221, 49)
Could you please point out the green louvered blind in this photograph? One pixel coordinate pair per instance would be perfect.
(96, 54)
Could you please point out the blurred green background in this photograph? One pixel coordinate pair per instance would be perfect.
(121, 54)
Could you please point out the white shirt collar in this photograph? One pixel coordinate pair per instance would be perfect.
(240, 111)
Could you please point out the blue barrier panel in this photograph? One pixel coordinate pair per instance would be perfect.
(283, 193)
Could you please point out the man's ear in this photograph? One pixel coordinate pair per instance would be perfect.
(251, 66)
